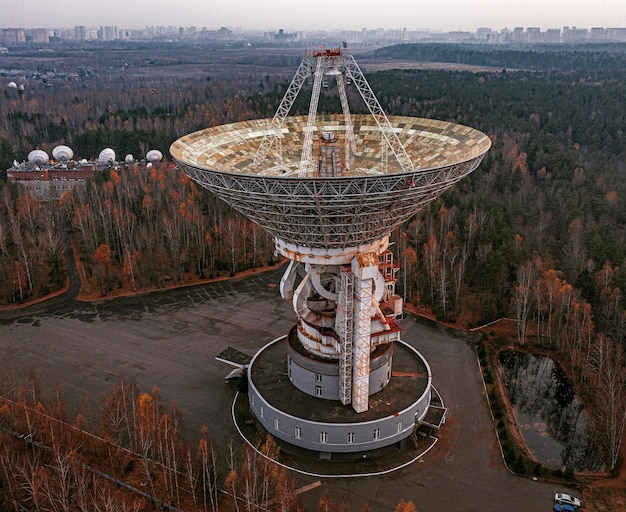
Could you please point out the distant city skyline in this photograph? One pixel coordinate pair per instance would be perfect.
(519, 35)
(445, 15)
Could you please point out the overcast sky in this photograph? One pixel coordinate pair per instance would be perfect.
(294, 15)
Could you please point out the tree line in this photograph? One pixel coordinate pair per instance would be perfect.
(137, 459)
(132, 229)
(538, 57)
(152, 226)
(31, 248)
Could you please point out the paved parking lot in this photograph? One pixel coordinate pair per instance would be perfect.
(170, 340)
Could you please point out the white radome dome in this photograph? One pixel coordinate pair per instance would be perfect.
(38, 156)
(12, 85)
(129, 158)
(154, 155)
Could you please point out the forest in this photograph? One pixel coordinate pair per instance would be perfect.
(566, 58)
(537, 233)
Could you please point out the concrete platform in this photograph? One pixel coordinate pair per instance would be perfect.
(269, 375)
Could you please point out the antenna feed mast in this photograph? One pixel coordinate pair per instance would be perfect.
(325, 52)
(322, 64)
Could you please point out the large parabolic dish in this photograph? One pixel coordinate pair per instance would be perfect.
(364, 204)
(331, 188)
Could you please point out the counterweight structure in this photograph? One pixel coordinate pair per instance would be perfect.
(331, 188)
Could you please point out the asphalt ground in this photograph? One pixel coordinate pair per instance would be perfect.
(170, 340)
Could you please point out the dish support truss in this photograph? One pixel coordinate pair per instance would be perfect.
(334, 214)
(321, 64)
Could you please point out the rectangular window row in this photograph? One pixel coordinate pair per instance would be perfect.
(351, 436)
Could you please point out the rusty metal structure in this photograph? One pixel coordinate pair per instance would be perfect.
(331, 188)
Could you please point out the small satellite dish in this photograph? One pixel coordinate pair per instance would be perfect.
(37, 156)
(83, 161)
(106, 156)
(154, 155)
(12, 85)
(129, 158)
(62, 153)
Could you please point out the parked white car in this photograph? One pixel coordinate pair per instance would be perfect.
(560, 497)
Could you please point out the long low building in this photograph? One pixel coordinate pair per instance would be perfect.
(48, 181)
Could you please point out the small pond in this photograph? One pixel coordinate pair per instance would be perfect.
(548, 412)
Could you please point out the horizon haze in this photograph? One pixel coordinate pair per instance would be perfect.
(449, 15)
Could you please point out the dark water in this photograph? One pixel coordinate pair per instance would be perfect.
(548, 412)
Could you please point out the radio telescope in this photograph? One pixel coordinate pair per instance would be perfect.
(62, 153)
(38, 156)
(331, 188)
(106, 157)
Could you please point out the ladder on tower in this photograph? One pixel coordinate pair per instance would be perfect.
(344, 324)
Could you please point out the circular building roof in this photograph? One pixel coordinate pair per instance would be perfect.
(361, 206)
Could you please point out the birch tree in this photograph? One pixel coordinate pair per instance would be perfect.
(523, 298)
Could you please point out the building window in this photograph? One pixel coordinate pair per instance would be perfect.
(351, 437)
(376, 433)
(276, 423)
(318, 377)
(323, 437)
(400, 426)
(318, 390)
(297, 432)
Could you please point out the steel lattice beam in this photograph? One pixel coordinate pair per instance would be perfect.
(303, 72)
(387, 131)
(350, 143)
(306, 165)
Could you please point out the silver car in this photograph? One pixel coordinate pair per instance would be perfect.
(560, 497)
